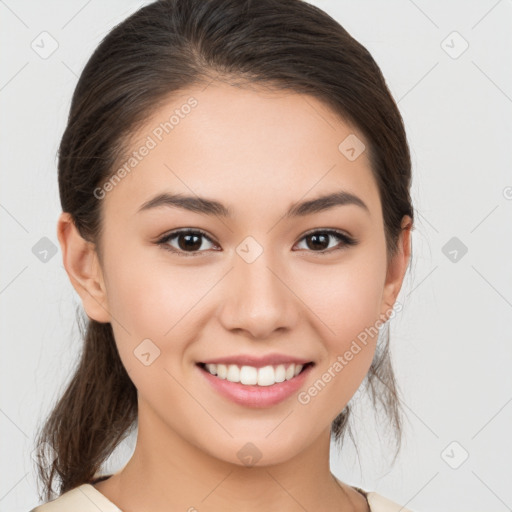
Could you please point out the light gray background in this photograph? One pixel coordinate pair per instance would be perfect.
(452, 343)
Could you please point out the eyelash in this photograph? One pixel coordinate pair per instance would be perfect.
(163, 242)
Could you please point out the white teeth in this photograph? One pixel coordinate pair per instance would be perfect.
(222, 370)
(212, 368)
(280, 373)
(266, 376)
(249, 375)
(233, 373)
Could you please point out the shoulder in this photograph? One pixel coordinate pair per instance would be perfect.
(379, 503)
(84, 498)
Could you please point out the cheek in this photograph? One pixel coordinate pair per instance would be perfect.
(346, 298)
(149, 327)
(346, 303)
(152, 300)
(147, 297)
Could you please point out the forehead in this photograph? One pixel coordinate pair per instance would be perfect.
(249, 147)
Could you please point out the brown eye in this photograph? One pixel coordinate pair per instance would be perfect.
(318, 241)
(189, 242)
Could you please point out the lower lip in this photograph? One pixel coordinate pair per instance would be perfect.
(256, 396)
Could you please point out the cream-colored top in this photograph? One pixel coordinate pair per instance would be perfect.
(86, 498)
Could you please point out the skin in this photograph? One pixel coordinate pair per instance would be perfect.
(257, 152)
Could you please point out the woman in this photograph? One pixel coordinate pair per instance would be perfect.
(234, 180)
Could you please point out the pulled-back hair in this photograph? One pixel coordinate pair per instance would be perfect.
(161, 50)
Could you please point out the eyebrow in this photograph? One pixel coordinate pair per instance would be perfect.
(208, 206)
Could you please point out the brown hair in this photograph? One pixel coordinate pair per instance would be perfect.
(164, 48)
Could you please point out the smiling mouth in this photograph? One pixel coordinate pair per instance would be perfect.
(251, 376)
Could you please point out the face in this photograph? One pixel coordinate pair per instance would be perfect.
(253, 282)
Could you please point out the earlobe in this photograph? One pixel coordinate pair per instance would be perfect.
(397, 267)
(82, 266)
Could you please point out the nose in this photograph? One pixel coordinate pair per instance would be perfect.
(258, 299)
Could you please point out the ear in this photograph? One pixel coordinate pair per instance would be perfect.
(397, 267)
(82, 266)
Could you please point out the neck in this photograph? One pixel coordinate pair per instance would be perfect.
(166, 472)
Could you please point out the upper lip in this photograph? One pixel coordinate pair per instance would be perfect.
(257, 361)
